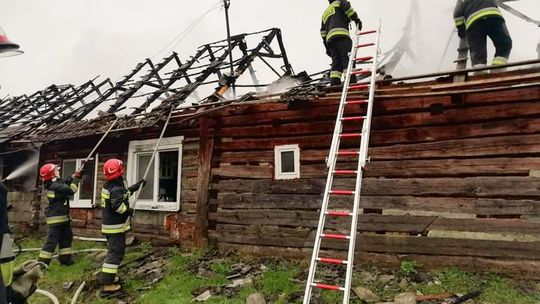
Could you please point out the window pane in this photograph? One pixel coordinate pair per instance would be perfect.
(86, 187)
(68, 168)
(287, 162)
(168, 176)
(147, 192)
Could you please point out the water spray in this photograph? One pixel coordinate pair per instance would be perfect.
(23, 169)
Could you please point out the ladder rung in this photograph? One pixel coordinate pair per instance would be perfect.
(348, 153)
(347, 135)
(351, 118)
(366, 58)
(342, 192)
(331, 261)
(365, 45)
(336, 236)
(328, 287)
(367, 32)
(361, 72)
(345, 172)
(338, 213)
(357, 102)
(359, 87)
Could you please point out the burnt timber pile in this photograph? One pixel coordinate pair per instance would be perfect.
(453, 178)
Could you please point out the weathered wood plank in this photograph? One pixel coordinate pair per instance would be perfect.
(206, 146)
(518, 145)
(287, 218)
(303, 237)
(465, 187)
(478, 206)
(522, 269)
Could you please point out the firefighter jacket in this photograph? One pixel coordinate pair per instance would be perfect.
(6, 243)
(58, 193)
(336, 19)
(115, 205)
(467, 12)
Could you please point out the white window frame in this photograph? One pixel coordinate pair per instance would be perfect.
(137, 147)
(78, 203)
(278, 175)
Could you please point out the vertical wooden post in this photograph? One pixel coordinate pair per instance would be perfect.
(463, 51)
(206, 146)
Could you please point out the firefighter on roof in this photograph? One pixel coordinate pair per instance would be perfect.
(335, 35)
(57, 213)
(115, 223)
(478, 19)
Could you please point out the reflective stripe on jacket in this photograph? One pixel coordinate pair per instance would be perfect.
(467, 12)
(114, 204)
(336, 19)
(58, 192)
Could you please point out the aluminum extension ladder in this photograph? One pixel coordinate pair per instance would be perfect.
(332, 160)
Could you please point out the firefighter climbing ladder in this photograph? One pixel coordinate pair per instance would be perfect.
(332, 161)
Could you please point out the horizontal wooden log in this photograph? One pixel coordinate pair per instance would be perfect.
(404, 168)
(303, 237)
(518, 145)
(444, 205)
(522, 269)
(287, 218)
(407, 120)
(502, 187)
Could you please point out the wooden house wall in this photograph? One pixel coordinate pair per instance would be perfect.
(156, 226)
(453, 179)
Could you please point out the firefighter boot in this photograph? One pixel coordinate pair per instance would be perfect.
(66, 260)
(111, 291)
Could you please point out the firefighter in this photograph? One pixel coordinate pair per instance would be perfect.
(6, 244)
(116, 214)
(478, 19)
(336, 39)
(57, 213)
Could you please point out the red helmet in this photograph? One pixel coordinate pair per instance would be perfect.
(113, 168)
(48, 171)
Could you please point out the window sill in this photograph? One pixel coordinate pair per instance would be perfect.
(157, 206)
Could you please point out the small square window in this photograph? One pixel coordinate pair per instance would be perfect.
(287, 162)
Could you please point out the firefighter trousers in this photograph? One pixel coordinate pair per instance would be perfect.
(116, 248)
(59, 235)
(494, 28)
(339, 49)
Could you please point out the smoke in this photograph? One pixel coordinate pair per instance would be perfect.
(282, 85)
(25, 168)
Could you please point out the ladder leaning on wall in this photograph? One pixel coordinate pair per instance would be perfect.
(362, 153)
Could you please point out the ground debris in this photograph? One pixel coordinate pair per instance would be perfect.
(366, 294)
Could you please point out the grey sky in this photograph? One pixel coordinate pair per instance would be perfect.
(72, 41)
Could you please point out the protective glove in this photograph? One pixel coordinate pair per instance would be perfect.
(135, 187)
(79, 174)
(462, 33)
(358, 23)
(130, 212)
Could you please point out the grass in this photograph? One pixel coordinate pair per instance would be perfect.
(280, 284)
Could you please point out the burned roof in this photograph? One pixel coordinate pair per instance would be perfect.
(142, 96)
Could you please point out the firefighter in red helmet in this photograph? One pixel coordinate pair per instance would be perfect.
(57, 213)
(115, 214)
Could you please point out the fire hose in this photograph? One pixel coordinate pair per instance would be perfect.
(83, 163)
(47, 294)
(134, 204)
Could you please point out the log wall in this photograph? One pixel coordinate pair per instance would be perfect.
(453, 178)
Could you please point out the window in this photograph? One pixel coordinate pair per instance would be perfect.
(287, 162)
(162, 190)
(86, 194)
